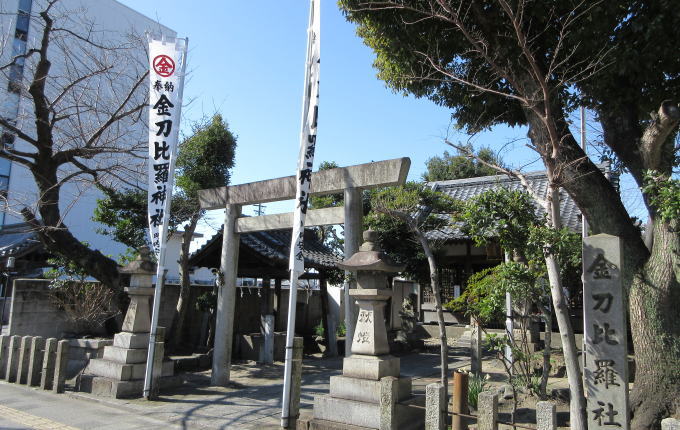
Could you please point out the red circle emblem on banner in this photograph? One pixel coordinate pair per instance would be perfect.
(164, 65)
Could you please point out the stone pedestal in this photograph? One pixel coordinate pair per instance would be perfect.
(120, 372)
(370, 394)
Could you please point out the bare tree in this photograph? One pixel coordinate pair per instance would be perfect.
(84, 94)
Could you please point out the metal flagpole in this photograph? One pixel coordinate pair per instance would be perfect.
(160, 267)
(305, 162)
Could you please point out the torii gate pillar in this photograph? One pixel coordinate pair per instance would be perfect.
(226, 298)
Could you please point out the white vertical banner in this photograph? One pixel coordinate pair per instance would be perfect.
(167, 64)
(166, 80)
(310, 108)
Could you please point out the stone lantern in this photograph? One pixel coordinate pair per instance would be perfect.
(141, 271)
(369, 394)
(372, 267)
(120, 372)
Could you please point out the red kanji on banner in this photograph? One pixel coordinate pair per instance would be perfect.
(164, 65)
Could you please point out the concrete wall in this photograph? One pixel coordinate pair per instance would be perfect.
(33, 313)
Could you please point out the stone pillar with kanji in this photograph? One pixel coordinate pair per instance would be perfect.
(606, 332)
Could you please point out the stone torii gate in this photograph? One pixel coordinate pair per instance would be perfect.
(347, 180)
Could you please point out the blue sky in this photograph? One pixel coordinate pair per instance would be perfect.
(246, 61)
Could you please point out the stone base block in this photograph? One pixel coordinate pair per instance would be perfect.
(125, 355)
(122, 371)
(364, 390)
(370, 367)
(333, 413)
(131, 340)
(107, 387)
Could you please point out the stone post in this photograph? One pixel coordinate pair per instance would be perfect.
(389, 395)
(226, 298)
(268, 343)
(4, 353)
(353, 227)
(487, 408)
(36, 361)
(296, 379)
(60, 366)
(475, 348)
(435, 407)
(546, 416)
(49, 359)
(606, 369)
(670, 424)
(24, 358)
(13, 359)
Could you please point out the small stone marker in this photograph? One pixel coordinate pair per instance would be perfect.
(389, 395)
(606, 368)
(24, 358)
(36, 361)
(4, 353)
(268, 344)
(49, 360)
(13, 359)
(487, 411)
(546, 416)
(60, 366)
(475, 348)
(435, 407)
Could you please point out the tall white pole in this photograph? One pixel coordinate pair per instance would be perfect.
(160, 267)
(308, 123)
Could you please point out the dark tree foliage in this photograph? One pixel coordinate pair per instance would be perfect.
(459, 166)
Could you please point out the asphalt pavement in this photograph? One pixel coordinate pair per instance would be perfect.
(252, 401)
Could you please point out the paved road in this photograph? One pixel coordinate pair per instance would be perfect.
(253, 401)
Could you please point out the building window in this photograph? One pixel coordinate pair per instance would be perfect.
(7, 139)
(23, 21)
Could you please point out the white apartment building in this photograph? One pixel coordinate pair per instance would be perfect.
(107, 21)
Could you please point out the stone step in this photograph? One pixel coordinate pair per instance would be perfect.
(364, 390)
(122, 371)
(334, 412)
(125, 355)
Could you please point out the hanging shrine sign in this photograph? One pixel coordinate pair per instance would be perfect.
(606, 368)
(166, 78)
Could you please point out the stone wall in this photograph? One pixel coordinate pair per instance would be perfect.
(33, 314)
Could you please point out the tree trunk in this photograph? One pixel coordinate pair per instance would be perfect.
(434, 284)
(654, 303)
(56, 237)
(182, 306)
(577, 403)
(547, 345)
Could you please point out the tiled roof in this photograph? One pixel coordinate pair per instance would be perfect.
(275, 245)
(17, 240)
(464, 189)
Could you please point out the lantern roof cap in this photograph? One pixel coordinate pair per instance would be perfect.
(141, 265)
(370, 257)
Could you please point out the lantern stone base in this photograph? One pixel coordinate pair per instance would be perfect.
(370, 367)
(363, 390)
(334, 413)
(110, 387)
